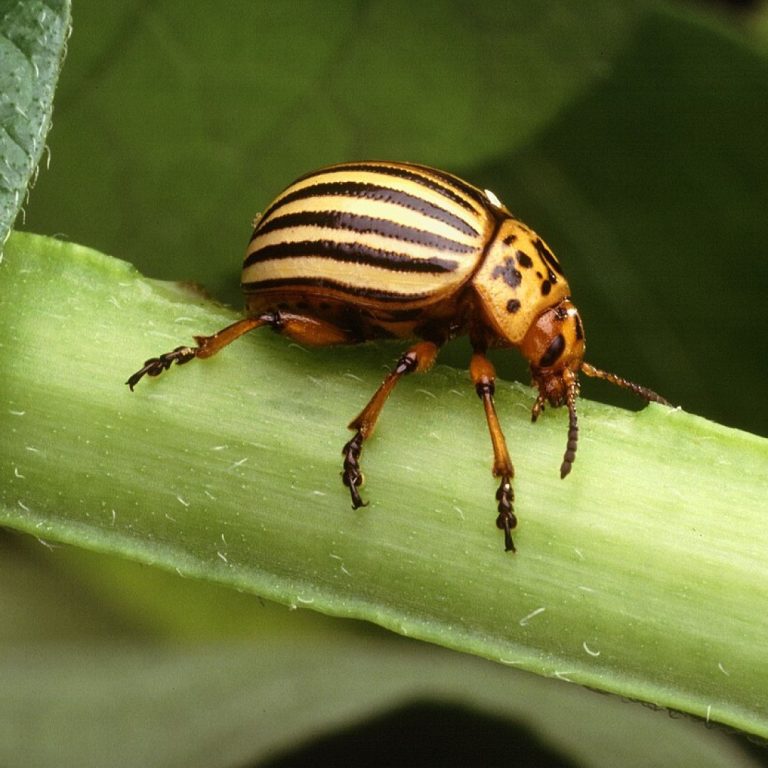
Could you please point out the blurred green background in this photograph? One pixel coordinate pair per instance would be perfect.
(632, 136)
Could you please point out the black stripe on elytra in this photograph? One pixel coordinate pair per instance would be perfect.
(421, 174)
(288, 283)
(354, 253)
(365, 225)
(367, 191)
(427, 177)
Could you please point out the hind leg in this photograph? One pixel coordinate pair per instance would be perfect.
(305, 330)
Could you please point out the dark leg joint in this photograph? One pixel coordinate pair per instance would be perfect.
(506, 520)
(406, 364)
(274, 320)
(485, 388)
(352, 476)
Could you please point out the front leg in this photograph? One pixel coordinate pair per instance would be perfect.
(419, 357)
(484, 378)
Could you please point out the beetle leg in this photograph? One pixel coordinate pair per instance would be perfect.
(420, 358)
(305, 330)
(484, 377)
(310, 330)
(206, 346)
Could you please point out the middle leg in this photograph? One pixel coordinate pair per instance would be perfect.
(420, 358)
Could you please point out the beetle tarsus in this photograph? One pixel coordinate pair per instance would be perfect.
(506, 520)
(156, 365)
(352, 476)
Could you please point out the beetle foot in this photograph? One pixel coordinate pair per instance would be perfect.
(156, 365)
(506, 520)
(352, 476)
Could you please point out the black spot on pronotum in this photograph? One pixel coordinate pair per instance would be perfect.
(547, 256)
(513, 305)
(507, 271)
(509, 239)
(523, 259)
(553, 352)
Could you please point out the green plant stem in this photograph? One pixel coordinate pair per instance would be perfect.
(643, 573)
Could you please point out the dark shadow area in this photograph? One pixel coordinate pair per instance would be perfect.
(427, 734)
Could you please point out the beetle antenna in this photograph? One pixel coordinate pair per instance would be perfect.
(644, 392)
(573, 432)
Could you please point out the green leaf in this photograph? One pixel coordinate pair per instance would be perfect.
(32, 42)
(235, 704)
(255, 691)
(637, 575)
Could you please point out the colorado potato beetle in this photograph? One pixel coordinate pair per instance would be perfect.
(371, 250)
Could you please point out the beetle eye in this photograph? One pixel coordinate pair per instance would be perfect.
(554, 351)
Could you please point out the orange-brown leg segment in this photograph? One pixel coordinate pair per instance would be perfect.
(484, 378)
(420, 358)
(305, 330)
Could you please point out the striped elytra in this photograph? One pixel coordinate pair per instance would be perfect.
(399, 240)
(367, 250)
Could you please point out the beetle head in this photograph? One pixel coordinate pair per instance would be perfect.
(554, 346)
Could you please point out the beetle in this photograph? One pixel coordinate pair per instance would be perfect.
(370, 250)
